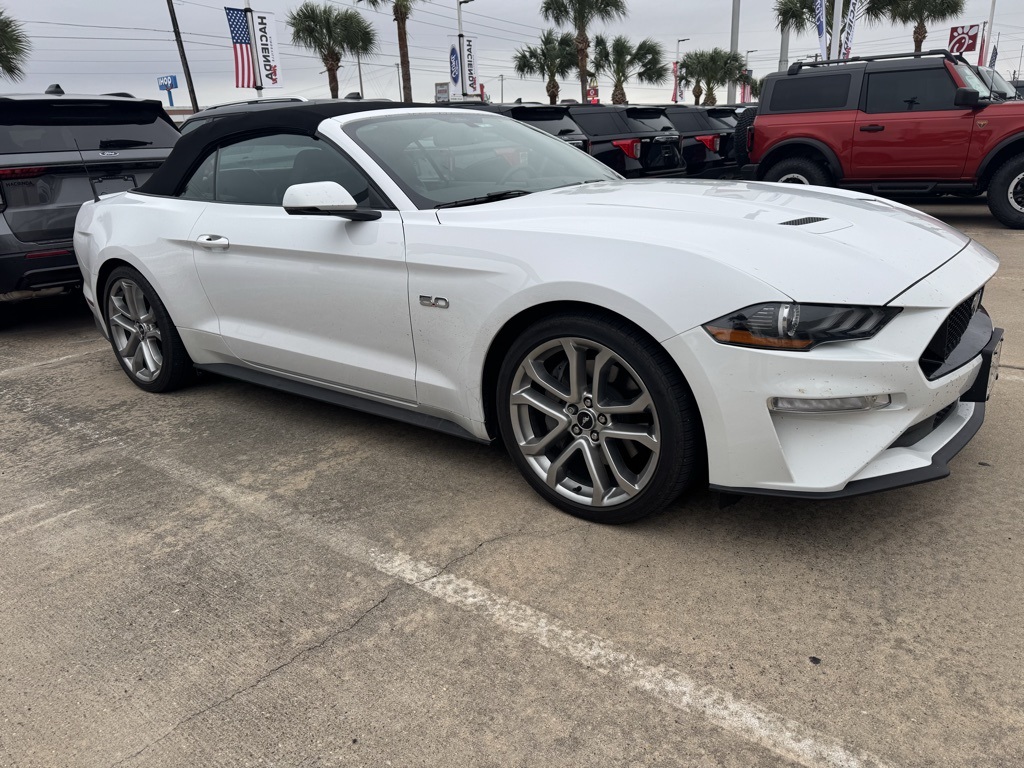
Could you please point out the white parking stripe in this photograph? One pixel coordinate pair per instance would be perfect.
(54, 361)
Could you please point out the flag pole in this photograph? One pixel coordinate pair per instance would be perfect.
(184, 60)
(257, 75)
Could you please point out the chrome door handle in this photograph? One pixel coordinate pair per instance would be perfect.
(213, 242)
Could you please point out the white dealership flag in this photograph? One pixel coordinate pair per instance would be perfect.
(268, 57)
(472, 83)
(851, 25)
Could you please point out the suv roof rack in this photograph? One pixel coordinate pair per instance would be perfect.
(955, 58)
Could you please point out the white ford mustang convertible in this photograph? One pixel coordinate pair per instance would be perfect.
(464, 272)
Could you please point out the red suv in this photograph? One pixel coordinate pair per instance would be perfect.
(900, 124)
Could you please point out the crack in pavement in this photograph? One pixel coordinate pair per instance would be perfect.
(526, 534)
(266, 675)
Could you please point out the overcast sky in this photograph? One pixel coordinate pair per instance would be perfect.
(124, 45)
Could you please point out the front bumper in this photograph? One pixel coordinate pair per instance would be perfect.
(755, 450)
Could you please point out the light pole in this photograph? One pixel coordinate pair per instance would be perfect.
(675, 91)
(744, 97)
(734, 46)
(462, 46)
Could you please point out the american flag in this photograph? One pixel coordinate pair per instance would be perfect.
(241, 43)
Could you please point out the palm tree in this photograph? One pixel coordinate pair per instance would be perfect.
(691, 72)
(579, 14)
(401, 10)
(14, 48)
(331, 32)
(644, 62)
(920, 13)
(553, 58)
(708, 70)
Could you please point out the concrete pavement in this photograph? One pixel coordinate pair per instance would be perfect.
(234, 576)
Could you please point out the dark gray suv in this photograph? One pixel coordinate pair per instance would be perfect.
(57, 151)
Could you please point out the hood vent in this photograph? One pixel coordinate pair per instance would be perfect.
(802, 222)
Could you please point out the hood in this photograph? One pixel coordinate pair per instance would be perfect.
(813, 245)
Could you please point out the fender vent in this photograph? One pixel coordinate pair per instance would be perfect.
(801, 222)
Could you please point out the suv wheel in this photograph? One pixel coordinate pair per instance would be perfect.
(798, 170)
(1006, 193)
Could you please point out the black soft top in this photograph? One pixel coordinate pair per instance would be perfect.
(299, 118)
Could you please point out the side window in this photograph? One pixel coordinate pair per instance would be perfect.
(200, 186)
(258, 171)
(922, 90)
(811, 92)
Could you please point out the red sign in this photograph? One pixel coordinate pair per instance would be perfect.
(592, 95)
(964, 38)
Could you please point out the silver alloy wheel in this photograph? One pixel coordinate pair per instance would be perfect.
(1015, 192)
(585, 422)
(794, 178)
(135, 331)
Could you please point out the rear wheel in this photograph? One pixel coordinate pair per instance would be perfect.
(142, 334)
(597, 418)
(798, 170)
(1006, 193)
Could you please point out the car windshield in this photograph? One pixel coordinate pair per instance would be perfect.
(974, 80)
(444, 158)
(997, 83)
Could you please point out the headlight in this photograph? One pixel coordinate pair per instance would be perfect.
(798, 326)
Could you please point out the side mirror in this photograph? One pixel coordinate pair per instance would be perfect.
(325, 198)
(965, 97)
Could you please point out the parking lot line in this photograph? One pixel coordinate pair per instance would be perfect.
(53, 361)
(772, 731)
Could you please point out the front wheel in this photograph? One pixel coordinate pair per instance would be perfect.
(1006, 193)
(597, 418)
(798, 170)
(144, 339)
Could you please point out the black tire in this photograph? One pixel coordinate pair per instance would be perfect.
(155, 335)
(798, 170)
(1006, 193)
(744, 120)
(634, 369)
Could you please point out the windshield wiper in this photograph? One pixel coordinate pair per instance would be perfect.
(490, 197)
(123, 143)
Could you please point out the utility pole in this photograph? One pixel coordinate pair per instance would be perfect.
(734, 45)
(181, 53)
(501, 79)
(675, 90)
(744, 95)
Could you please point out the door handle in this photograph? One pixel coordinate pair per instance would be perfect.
(213, 242)
(872, 128)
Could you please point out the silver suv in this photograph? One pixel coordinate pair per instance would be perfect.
(56, 152)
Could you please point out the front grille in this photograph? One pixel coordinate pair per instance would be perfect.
(949, 334)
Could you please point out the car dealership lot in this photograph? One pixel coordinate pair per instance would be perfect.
(234, 576)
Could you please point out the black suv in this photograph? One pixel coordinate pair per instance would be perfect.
(635, 141)
(550, 119)
(706, 139)
(56, 152)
